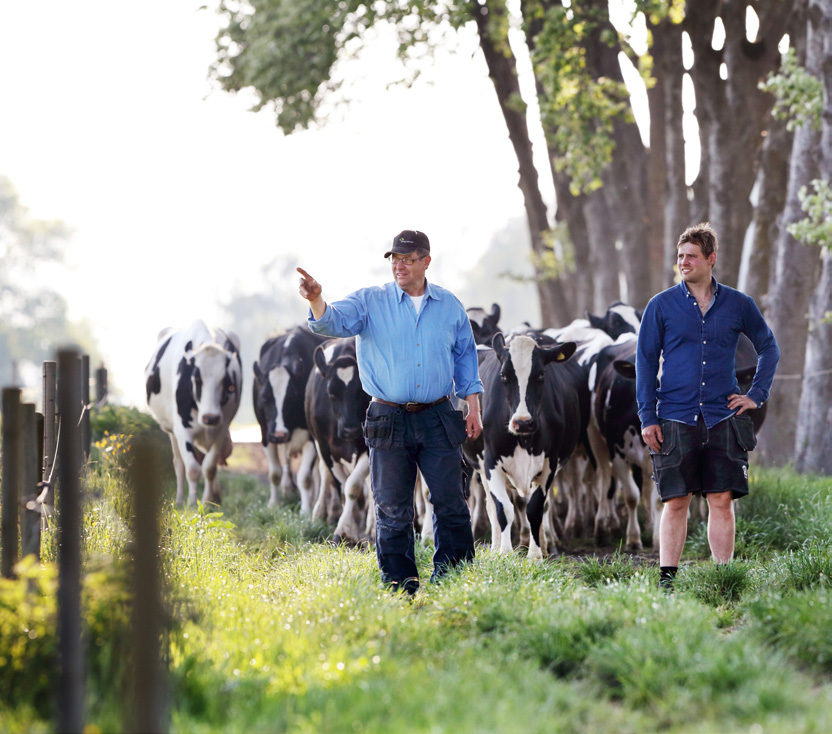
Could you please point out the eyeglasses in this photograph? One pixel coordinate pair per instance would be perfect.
(406, 261)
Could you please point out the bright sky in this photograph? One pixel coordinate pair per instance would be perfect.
(177, 193)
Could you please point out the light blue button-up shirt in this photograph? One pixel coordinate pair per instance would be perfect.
(404, 356)
(698, 373)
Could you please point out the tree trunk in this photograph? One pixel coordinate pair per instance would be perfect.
(666, 112)
(814, 439)
(502, 69)
(756, 270)
(735, 112)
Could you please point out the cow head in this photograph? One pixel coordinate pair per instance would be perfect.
(343, 385)
(619, 319)
(523, 373)
(215, 381)
(484, 325)
(277, 391)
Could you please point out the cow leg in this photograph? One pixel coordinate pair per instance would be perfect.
(275, 473)
(193, 467)
(493, 515)
(476, 503)
(504, 511)
(630, 494)
(650, 497)
(353, 491)
(287, 486)
(423, 499)
(179, 470)
(538, 547)
(319, 510)
(370, 527)
(304, 479)
(549, 521)
(211, 490)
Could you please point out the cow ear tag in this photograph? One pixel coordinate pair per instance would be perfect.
(560, 357)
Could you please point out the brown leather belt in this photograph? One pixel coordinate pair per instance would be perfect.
(411, 407)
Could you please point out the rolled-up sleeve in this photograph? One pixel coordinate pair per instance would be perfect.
(466, 366)
(346, 317)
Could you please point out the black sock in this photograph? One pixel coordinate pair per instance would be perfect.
(667, 574)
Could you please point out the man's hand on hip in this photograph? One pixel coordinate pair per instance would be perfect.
(653, 437)
(741, 403)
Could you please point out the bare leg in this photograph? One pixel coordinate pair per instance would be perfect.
(674, 529)
(721, 526)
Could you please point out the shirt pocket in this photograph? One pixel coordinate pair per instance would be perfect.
(727, 332)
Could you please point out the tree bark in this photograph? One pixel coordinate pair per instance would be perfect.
(668, 153)
(814, 439)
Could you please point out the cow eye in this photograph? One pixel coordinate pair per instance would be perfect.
(539, 377)
(231, 388)
(503, 378)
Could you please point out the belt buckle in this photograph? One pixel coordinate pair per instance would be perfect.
(412, 407)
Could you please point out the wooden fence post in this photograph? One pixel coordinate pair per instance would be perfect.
(50, 382)
(147, 707)
(85, 402)
(70, 651)
(101, 386)
(12, 454)
(30, 519)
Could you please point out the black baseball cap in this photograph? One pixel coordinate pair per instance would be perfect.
(407, 241)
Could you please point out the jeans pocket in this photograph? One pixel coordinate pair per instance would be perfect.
(378, 432)
(743, 428)
(454, 424)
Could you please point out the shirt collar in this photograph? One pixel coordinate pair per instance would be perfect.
(686, 291)
(430, 291)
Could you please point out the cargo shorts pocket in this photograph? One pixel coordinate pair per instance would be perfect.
(454, 424)
(378, 432)
(743, 428)
(670, 454)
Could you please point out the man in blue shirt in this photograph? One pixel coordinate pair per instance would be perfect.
(415, 347)
(693, 417)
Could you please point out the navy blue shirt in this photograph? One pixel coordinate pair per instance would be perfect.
(698, 372)
(403, 355)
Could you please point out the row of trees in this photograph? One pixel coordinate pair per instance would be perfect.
(763, 132)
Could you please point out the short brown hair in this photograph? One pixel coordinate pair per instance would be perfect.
(701, 234)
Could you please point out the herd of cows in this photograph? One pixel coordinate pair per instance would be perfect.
(560, 455)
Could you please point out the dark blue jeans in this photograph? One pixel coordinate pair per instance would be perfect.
(400, 442)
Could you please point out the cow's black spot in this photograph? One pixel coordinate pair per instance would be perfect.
(154, 382)
(185, 402)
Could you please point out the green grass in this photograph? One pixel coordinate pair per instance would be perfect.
(274, 629)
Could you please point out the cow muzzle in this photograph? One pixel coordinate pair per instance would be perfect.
(279, 437)
(351, 433)
(523, 426)
(211, 419)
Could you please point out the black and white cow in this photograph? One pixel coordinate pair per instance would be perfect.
(336, 406)
(531, 426)
(193, 383)
(615, 434)
(280, 376)
(484, 325)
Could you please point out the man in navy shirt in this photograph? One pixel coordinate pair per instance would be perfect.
(693, 417)
(415, 348)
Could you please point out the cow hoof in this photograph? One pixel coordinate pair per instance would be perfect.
(634, 547)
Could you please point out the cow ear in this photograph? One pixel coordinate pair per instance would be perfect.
(495, 312)
(320, 359)
(498, 343)
(596, 322)
(625, 368)
(258, 373)
(560, 352)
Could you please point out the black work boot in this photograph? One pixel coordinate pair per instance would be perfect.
(666, 576)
